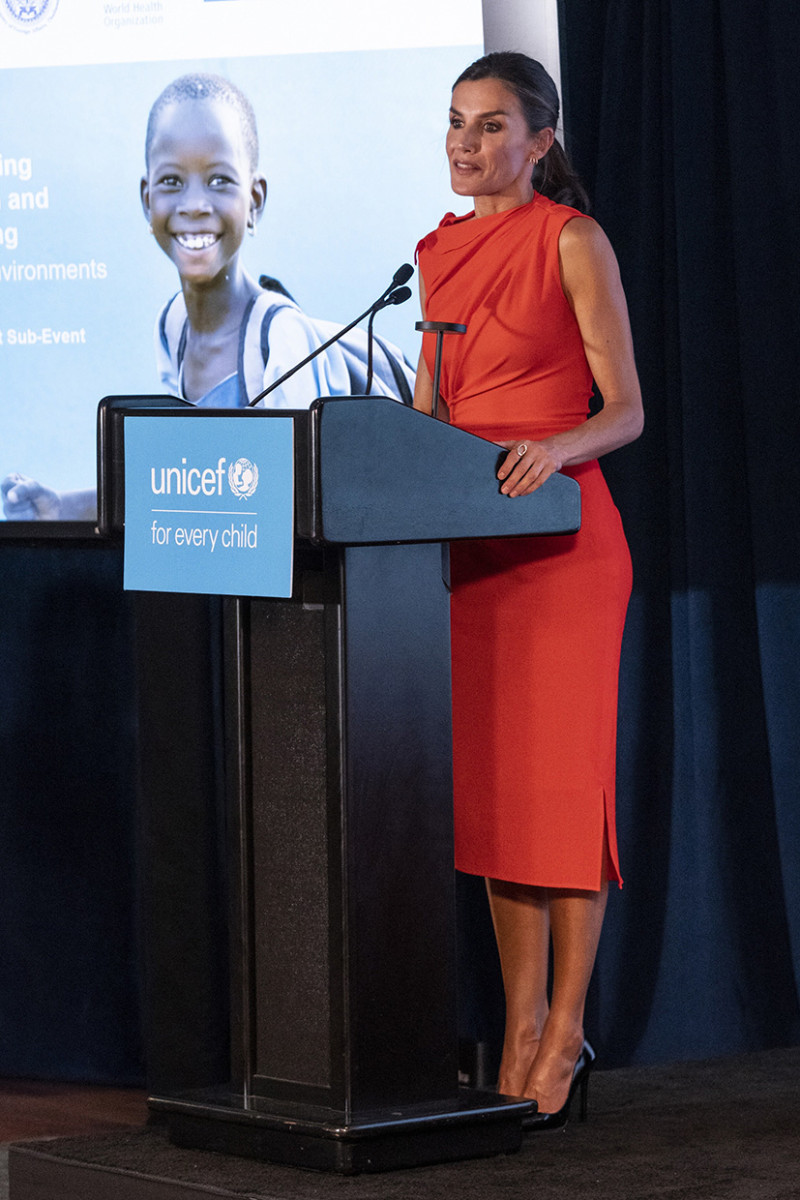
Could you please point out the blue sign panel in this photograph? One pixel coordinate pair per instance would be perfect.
(209, 505)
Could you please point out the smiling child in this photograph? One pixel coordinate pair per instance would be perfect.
(223, 338)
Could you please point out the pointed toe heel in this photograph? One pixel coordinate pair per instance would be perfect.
(541, 1121)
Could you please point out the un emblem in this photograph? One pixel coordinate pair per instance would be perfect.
(243, 478)
(27, 15)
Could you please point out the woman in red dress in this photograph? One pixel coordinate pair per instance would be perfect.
(536, 623)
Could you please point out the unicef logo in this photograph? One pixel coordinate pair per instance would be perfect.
(243, 478)
(27, 15)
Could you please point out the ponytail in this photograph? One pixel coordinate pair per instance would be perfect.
(555, 177)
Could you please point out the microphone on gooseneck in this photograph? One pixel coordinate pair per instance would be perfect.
(398, 296)
(401, 275)
(395, 293)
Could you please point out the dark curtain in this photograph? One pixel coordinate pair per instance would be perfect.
(682, 118)
(113, 946)
(70, 968)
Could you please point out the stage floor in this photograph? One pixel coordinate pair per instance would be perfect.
(722, 1130)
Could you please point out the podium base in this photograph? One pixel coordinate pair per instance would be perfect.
(477, 1125)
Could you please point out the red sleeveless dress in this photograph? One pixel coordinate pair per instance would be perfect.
(536, 622)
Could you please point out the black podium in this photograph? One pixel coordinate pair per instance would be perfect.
(335, 717)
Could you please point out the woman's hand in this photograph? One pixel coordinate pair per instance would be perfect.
(526, 466)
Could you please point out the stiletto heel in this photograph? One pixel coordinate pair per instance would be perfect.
(584, 1081)
(580, 1079)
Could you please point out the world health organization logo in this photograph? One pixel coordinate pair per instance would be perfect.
(26, 16)
(243, 478)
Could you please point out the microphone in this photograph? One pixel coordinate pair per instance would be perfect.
(398, 296)
(402, 275)
(393, 294)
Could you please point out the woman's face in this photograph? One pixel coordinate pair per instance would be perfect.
(200, 193)
(489, 145)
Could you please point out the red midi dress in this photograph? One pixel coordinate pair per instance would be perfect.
(536, 622)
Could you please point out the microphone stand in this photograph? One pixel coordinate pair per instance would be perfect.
(397, 295)
(368, 388)
(440, 328)
(393, 294)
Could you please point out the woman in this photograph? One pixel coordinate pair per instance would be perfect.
(536, 624)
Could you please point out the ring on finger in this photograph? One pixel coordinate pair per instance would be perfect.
(522, 449)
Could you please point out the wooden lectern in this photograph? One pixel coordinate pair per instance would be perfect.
(337, 778)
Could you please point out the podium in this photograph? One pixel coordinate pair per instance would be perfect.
(337, 789)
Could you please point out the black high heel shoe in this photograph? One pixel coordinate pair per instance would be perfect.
(535, 1122)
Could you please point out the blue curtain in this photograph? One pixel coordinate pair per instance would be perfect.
(683, 120)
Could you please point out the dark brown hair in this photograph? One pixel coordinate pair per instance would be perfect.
(554, 176)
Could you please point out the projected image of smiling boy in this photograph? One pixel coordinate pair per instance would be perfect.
(223, 337)
(201, 194)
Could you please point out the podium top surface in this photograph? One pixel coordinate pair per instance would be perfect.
(389, 473)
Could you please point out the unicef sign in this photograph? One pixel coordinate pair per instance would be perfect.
(187, 480)
(201, 515)
(243, 478)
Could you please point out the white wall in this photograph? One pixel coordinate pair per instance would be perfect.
(527, 25)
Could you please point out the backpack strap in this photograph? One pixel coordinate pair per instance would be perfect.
(241, 379)
(172, 328)
(169, 338)
(401, 383)
(266, 322)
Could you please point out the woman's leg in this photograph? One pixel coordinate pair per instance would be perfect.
(522, 930)
(576, 921)
(542, 1044)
